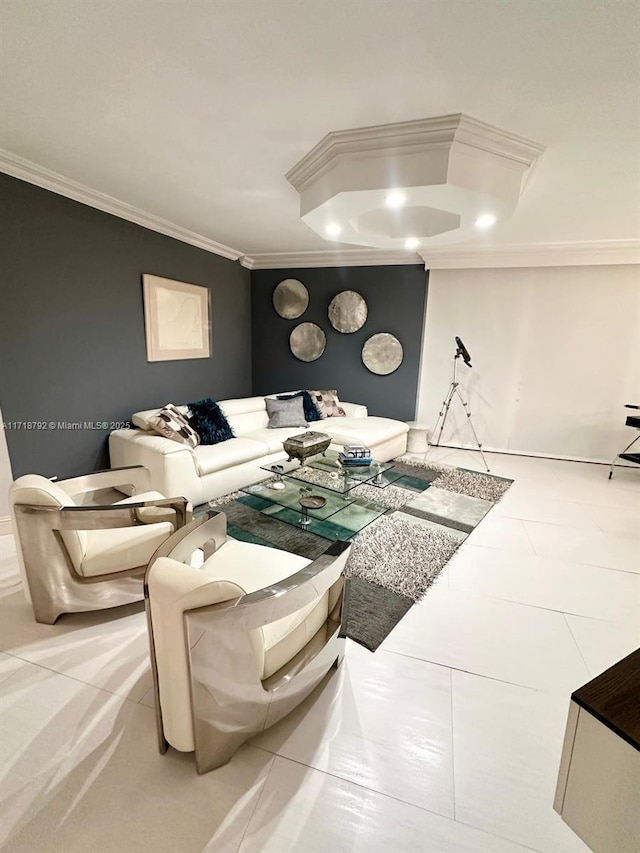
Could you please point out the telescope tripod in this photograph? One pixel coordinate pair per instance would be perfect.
(454, 391)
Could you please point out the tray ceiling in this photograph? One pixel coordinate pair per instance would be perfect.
(194, 112)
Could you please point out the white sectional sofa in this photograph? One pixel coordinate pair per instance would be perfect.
(210, 471)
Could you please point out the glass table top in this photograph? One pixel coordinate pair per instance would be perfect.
(338, 519)
(289, 497)
(326, 472)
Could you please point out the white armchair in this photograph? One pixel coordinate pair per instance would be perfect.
(76, 556)
(239, 641)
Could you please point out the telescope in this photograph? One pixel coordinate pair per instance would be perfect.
(463, 352)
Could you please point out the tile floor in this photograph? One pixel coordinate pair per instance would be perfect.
(446, 740)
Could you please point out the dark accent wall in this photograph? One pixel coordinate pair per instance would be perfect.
(72, 342)
(395, 296)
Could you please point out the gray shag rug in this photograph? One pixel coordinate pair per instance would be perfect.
(395, 560)
(473, 484)
(393, 497)
(401, 556)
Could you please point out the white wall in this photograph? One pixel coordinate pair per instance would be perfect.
(555, 354)
(5, 478)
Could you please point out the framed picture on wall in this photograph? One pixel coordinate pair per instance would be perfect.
(177, 319)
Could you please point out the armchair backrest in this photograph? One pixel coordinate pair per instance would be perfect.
(37, 491)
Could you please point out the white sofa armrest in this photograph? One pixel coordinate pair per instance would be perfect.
(354, 410)
(172, 466)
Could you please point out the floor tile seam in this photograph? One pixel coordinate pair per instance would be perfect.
(502, 837)
(570, 527)
(546, 692)
(354, 783)
(598, 566)
(593, 528)
(635, 625)
(520, 553)
(411, 657)
(11, 675)
(453, 754)
(395, 799)
(530, 540)
(572, 563)
(566, 621)
(71, 678)
(492, 597)
(595, 503)
(599, 525)
(150, 690)
(260, 795)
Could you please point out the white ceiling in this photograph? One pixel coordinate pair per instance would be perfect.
(194, 111)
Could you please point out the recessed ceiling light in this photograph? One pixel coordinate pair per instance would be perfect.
(485, 221)
(395, 199)
(332, 229)
(411, 243)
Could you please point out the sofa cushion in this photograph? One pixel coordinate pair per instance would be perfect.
(209, 421)
(242, 406)
(273, 438)
(235, 451)
(235, 568)
(369, 430)
(123, 548)
(245, 414)
(286, 413)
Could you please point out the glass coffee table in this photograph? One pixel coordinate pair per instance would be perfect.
(326, 471)
(340, 512)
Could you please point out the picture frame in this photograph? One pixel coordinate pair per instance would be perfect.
(177, 319)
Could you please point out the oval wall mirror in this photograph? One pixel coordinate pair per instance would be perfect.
(348, 312)
(307, 341)
(382, 354)
(290, 298)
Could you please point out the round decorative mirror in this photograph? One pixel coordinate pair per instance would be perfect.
(307, 341)
(290, 298)
(382, 354)
(348, 312)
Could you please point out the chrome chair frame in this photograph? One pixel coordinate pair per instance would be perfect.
(55, 586)
(229, 701)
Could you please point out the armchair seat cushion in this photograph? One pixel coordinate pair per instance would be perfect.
(216, 457)
(253, 567)
(123, 548)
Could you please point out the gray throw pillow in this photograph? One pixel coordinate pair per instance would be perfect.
(285, 413)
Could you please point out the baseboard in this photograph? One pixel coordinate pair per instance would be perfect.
(559, 456)
(5, 526)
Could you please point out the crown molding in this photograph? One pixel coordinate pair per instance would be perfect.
(26, 170)
(592, 253)
(598, 253)
(445, 257)
(355, 258)
(420, 134)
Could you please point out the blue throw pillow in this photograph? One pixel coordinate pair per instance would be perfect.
(208, 420)
(311, 413)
